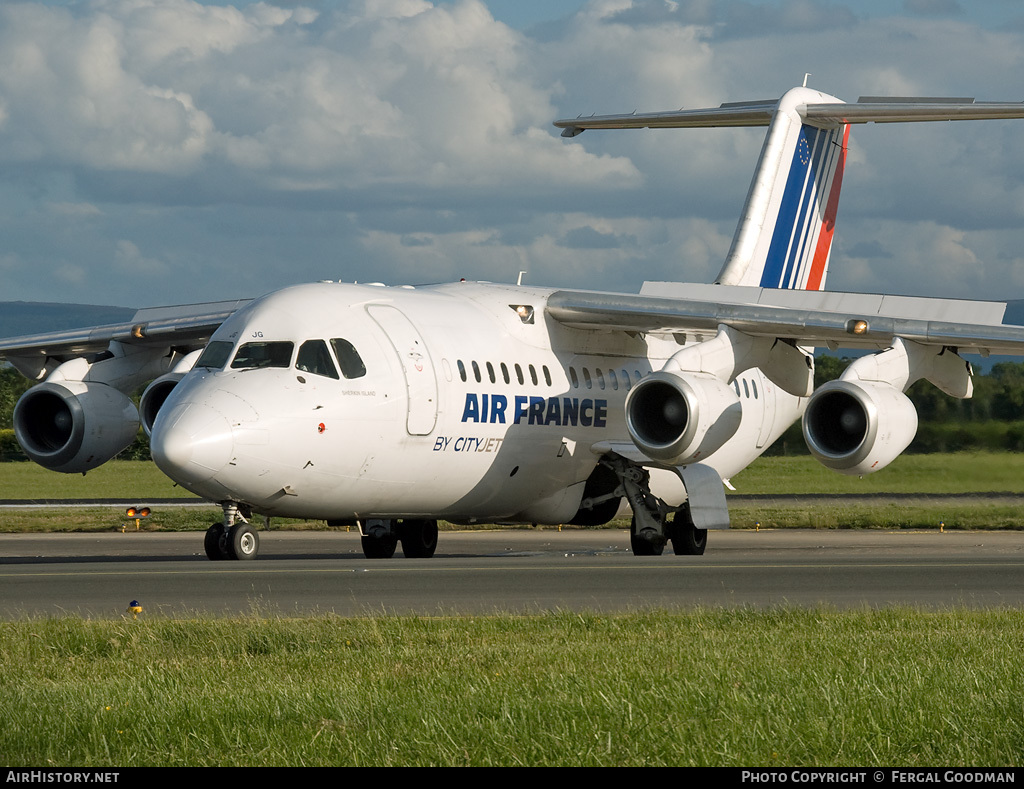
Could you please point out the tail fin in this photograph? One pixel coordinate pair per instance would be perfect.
(784, 236)
(785, 233)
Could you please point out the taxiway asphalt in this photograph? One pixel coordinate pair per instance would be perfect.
(521, 571)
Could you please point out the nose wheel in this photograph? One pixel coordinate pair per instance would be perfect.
(229, 540)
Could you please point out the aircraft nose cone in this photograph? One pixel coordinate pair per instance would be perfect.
(191, 443)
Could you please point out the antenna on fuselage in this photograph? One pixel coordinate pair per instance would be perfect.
(519, 280)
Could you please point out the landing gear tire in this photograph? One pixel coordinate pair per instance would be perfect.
(419, 538)
(642, 547)
(242, 542)
(379, 547)
(214, 543)
(687, 539)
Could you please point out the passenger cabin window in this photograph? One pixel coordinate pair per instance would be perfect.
(315, 358)
(348, 358)
(504, 373)
(462, 369)
(215, 355)
(263, 354)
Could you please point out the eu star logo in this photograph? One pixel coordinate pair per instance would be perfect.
(803, 151)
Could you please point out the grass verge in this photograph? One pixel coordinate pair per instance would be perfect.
(788, 687)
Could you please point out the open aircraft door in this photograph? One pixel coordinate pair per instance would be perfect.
(420, 381)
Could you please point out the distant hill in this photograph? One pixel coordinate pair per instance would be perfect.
(34, 317)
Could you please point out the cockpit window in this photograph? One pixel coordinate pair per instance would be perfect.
(263, 354)
(215, 355)
(315, 358)
(348, 357)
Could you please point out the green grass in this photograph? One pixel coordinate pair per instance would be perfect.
(957, 472)
(118, 479)
(787, 687)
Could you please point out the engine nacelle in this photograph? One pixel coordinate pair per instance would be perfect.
(857, 427)
(679, 419)
(153, 399)
(74, 426)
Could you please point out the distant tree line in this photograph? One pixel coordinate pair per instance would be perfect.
(992, 419)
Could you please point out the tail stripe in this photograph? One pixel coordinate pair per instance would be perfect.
(796, 256)
(819, 266)
(813, 213)
(804, 228)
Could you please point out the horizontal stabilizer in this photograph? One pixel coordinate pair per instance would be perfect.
(869, 109)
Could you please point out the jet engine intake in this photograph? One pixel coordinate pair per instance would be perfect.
(153, 399)
(679, 419)
(74, 426)
(858, 427)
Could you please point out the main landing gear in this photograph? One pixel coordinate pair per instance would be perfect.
(686, 539)
(655, 523)
(380, 537)
(229, 540)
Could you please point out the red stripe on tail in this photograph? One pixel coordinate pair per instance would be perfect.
(816, 278)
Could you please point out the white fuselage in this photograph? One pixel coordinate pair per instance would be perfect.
(466, 403)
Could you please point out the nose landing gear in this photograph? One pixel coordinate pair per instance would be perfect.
(230, 540)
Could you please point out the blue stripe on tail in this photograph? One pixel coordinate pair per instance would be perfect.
(792, 247)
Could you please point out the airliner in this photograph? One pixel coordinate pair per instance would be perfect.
(389, 408)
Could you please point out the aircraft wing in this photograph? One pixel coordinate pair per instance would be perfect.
(181, 326)
(810, 318)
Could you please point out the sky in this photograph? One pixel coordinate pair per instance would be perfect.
(158, 152)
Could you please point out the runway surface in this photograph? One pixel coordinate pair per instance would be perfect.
(97, 575)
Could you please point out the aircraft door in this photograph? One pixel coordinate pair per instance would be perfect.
(420, 381)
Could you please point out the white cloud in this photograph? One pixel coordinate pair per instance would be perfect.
(129, 258)
(242, 148)
(406, 93)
